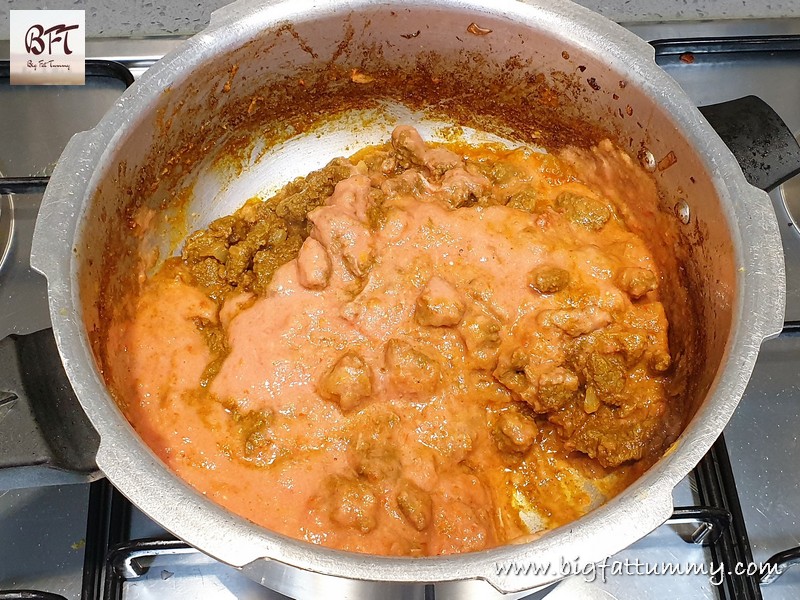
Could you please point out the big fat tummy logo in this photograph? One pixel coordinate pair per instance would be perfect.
(48, 47)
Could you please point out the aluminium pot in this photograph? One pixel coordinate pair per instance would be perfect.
(271, 91)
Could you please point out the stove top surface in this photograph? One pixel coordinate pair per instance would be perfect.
(54, 531)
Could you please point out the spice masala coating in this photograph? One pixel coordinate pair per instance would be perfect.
(420, 350)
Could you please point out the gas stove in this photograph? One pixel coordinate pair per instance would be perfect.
(65, 533)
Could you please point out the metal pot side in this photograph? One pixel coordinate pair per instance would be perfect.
(190, 128)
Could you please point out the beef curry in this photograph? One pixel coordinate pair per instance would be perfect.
(420, 350)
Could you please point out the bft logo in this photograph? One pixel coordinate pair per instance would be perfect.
(48, 47)
(36, 36)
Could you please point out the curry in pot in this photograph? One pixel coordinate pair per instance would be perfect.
(419, 350)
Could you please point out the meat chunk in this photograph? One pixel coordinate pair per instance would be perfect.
(650, 321)
(352, 503)
(660, 361)
(377, 464)
(352, 195)
(415, 504)
(557, 387)
(461, 187)
(525, 200)
(548, 279)
(637, 282)
(341, 226)
(454, 443)
(610, 438)
(481, 332)
(411, 149)
(343, 236)
(632, 344)
(313, 265)
(439, 304)
(576, 321)
(408, 144)
(347, 382)
(545, 387)
(242, 251)
(514, 432)
(410, 182)
(504, 172)
(409, 369)
(606, 373)
(254, 429)
(512, 374)
(267, 233)
(588, 212)
(303, 195)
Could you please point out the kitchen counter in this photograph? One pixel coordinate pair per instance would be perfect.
(122, 18)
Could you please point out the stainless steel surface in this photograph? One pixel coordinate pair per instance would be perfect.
(762, 436)
(45, 117)
(51, 559)
(713, 29)
(739, 223)
(763, 443)
(23, 292)
(6, 226)
(202, 578)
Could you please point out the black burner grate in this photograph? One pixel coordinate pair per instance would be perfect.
(29, 595)
(781, 560)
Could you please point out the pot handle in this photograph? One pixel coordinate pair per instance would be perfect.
(59, 441)
(57, 218)
(762, 143)
(45, 437)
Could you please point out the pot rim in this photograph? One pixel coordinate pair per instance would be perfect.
(137, 473)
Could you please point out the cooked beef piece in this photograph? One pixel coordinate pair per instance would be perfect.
(637, 281)
(439, 304)
(347, 382)
(352, 503)
(548, 279)
(582, 210)
(415, 504)
(409, 369)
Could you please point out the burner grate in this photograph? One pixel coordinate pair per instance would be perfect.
(23, 185)
(783, 561)
(29, 595)
(716, 486)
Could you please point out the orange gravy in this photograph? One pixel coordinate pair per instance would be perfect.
(392, 392)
